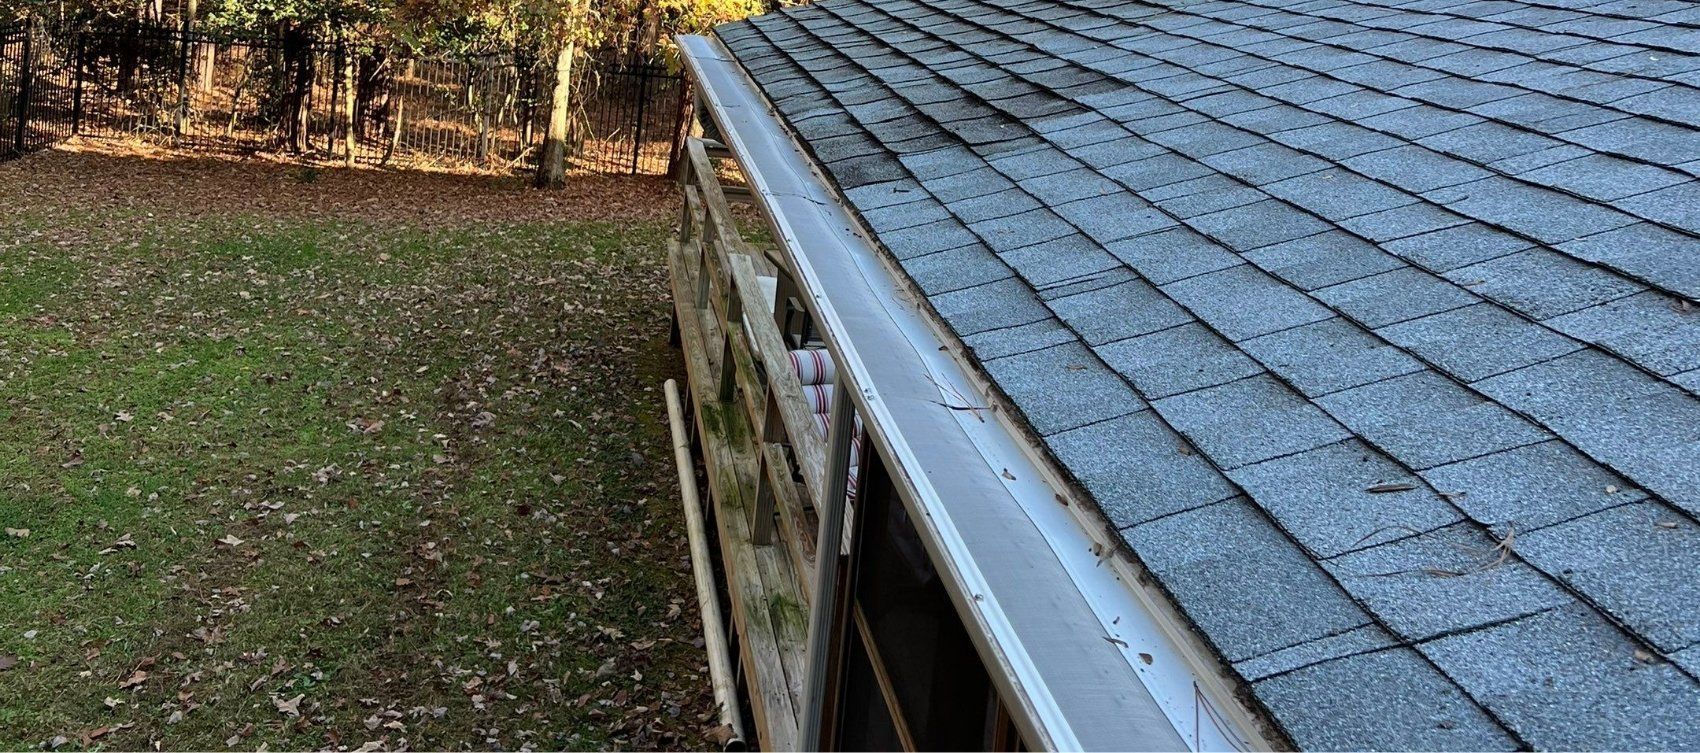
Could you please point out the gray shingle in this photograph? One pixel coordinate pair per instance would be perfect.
(1603, 177)
(1324, 259)
(880, 195)
(941, 163)
(1004, 303)
(1062, 388)
(956, 269)
(1420, 121)
(1321, 498)
(1478, 341)
(1531, 487)
(1249, 421)
(1567, 680)
(1257, 225)
(1337, 141)
(899, 216)
(1201, 196)
(1642, 426)
(1402, 222)
(865, 170)
(1113, 217)
(1019, 339)
(1457, 92)
(1547, 216)
(1395, 296)
(1059, 259)
(1024, 165)
(1157, 170)
(1644, 139)
(1454, 247)
(1203, 139)
(1248, 588)
(1104, 112)
(1637, 562)
(1651, 329)
(1243, 302)
(1264, 162)
(1542, 283)
(1426, 420)
(1021, 230)
(1061, 188)
(1443, 581)
(1414, 168)
(1358, 640)
(1341, 714)
(1688, 380)
(1337, 194)
(926, 239)
(1178, 359)
(970, 184)
(1086, 283)
(1011, 201)
(1329, 356)
(1587, 382)
(1487, 142)
(1127, 310)
(1137, 469)
(1552, 155)
(1664, 257)
(1171, 255)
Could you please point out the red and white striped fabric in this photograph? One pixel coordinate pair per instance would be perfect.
(813, 366)
(816, 371)
(824, 423)
(819, 397)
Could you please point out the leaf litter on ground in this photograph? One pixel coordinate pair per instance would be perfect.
(322, 453)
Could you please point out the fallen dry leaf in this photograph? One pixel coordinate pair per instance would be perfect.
(291, 707)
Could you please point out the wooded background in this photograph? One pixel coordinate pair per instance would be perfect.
(368, 44)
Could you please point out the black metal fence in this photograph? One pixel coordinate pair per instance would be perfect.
(36, 92)
(328, 100)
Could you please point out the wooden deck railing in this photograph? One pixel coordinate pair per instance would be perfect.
(763, 453)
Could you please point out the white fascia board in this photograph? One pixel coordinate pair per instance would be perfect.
(1087, 658)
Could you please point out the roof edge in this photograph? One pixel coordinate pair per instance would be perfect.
(906, 396)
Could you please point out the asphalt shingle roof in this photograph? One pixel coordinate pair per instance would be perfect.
(1240, 262)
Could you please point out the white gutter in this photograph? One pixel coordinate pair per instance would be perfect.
(1084, 658)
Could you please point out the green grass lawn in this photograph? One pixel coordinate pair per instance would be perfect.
(315, 479)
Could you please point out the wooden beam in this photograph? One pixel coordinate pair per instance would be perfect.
(807, 445)
(714, 199)
(766, 602)
(794, 520)
(739, 195)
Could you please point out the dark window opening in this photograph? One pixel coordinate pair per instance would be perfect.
(908, 653)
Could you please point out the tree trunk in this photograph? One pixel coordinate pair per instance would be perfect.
(206, 66)
(552, 162)
(349, 98)
(373, 94)
(186, 50)
(298, 83)
(130, 55)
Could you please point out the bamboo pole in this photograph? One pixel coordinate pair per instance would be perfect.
(708, 599)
